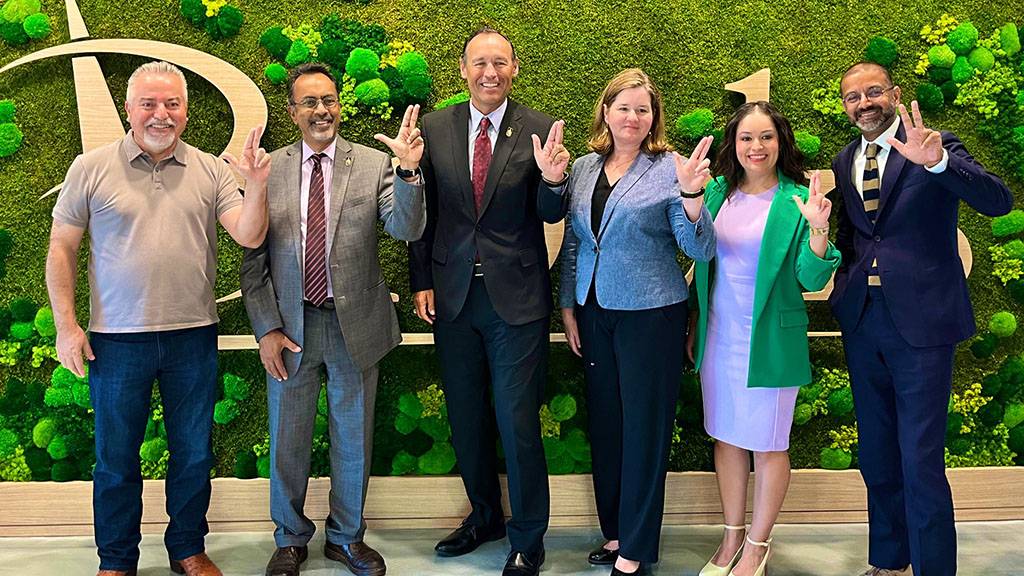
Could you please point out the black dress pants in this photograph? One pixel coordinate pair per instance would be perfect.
(477, 351)
(633, 362)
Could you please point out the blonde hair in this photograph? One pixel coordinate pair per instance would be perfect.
(601, 137)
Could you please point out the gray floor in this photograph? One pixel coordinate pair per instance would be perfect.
(988, 548)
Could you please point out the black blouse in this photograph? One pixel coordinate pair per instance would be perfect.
(601, 192)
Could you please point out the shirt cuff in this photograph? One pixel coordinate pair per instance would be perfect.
(941, 166)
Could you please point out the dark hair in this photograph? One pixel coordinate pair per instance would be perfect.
(866, 64)
(790, 161)
(302, 70)
(485, 29)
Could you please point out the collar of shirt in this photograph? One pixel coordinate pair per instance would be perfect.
(308, 152)
(882, 140)
(495, 117)
(132, 150)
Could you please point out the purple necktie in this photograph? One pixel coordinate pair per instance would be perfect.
(315, 272)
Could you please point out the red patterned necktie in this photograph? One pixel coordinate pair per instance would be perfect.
(481, 162)
(315, 273)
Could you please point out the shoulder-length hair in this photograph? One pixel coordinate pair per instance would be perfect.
(601, 137)
(790, 162)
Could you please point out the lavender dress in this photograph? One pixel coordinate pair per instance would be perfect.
(756, 419)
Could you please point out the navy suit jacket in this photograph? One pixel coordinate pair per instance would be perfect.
(915, 241)
(507, 235)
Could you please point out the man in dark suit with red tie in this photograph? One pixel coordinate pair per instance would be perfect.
(902, 303)
(480, 276)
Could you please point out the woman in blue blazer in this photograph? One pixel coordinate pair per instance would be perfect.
(632, 204)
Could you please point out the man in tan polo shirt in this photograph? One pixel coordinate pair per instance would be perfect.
(151, 204)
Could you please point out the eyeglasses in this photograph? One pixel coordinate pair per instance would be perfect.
(311, 102)
(873, 93)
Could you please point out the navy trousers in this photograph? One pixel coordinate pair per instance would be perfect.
(632, 362)
(184, 363)
(901, 394)
(482, 354)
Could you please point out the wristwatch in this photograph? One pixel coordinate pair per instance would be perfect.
(406, 174)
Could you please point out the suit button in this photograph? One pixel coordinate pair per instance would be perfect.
(477, 227)
(469, 260)
(878, 238)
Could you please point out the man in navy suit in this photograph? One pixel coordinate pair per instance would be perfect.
(902, 303)
(482, 262)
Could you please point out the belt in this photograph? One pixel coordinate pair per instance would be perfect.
(326, 305)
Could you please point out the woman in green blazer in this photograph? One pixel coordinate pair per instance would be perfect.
(749, 340)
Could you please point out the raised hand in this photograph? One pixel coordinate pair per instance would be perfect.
(924, 145)
(407, 146)
(694, 173)
(817, 208)
(552, 158)
(254, 165)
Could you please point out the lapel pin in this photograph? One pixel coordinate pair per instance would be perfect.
(508, 133)
(348, 161)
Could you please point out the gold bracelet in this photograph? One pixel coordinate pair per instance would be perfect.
(823, 231)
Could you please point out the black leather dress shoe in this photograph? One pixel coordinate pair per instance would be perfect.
(467, 538)
(359, 558)
(643, 570)
(518, 564)
(602, 556)
(286, 561)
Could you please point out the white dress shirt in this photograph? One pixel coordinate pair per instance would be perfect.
(475, 116)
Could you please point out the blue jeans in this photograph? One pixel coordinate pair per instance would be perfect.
(184, 362)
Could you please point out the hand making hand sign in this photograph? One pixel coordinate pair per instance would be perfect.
(407, 146)
(817, 208)
(694, 173)
(254, 165)
(923, 145)
(552, 158)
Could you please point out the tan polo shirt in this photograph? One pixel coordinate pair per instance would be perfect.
(152, 233)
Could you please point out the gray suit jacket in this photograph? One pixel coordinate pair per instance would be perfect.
(363, 190)
(642, 228)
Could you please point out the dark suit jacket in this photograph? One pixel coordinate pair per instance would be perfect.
(508, 235)
(914, 238)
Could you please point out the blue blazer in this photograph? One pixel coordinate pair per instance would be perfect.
(914, 239)
(632, 261)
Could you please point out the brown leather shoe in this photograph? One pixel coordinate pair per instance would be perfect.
(196, 565)
(359, 558)
(116, 573)
(286, 561)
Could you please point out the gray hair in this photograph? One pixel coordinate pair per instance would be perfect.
(156, 67)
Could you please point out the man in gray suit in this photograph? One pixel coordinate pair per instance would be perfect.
(316, 281)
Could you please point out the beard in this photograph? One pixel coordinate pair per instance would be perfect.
(322, 135)
(157, 144)
(882, 119)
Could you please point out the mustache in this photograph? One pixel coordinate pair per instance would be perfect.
(866, 110)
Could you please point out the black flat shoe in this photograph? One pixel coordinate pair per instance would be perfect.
(467, 538)
(602, 556)
(643, 570)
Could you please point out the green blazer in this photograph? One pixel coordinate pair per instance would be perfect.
(786, 267)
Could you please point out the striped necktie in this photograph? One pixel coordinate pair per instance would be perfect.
(871, 195)
(315, 272)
